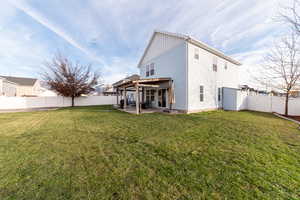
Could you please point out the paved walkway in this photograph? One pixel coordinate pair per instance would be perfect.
(26, 110)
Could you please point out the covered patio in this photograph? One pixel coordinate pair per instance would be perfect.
(132, 110)
(141, 88)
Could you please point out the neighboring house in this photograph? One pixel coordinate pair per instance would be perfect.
(295, 93)
(104, 90)
(24, 86)
(45, 90)
(7, 88)
(192, 71)
(109, 91)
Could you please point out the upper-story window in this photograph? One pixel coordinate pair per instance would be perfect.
(152, 70)
(147, 70)
(215, 64)
(196, 55)
(201, 93)
(225, 65)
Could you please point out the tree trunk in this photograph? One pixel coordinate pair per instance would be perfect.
(73, 101)
(286, 112)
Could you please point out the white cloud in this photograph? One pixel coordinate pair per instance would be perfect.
(6, 12)
(14, 57)
(20, 56)
(114, 33)
(54, 27)
(119, 69)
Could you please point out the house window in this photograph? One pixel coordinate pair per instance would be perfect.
(152, 69)
(225, 65)
(147, 95)
(150, 95)
(196, 55)
(219, 94)
(215, 64)
(201, 93)
(147, 71)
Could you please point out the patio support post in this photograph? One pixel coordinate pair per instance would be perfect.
(169, 96)
(169, 99)
(137, 96)
(125, 98)
(143, 94)
(117, 96)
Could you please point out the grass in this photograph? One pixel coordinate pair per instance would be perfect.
(101, 153)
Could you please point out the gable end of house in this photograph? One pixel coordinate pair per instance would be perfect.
(162, 41)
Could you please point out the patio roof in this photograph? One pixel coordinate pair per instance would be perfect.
(149, 82)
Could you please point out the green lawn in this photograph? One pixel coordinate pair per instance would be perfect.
(101, 153)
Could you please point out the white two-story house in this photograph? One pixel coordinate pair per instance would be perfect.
(19, 86)
(198, 72)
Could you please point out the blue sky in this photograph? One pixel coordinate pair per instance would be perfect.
(112, 35)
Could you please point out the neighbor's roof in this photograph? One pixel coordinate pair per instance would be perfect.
(5, 80)
(192, 41)
(20, 80)
(109, 90)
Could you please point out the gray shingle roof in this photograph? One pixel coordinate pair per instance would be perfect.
(20, 80)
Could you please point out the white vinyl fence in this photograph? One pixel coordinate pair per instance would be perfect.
(273, 104)
(232, 100)
(240, 100)
(7, 103)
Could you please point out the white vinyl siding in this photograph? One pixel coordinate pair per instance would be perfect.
(160, 45)
(171, 64)
(201, 73)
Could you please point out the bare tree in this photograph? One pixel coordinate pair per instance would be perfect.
(69, 79)
(281, 68)
(291, 16)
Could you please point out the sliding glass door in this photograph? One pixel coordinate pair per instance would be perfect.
(162, 98)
